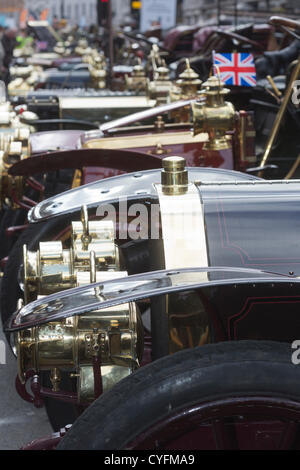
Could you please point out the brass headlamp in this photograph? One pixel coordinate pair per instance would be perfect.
(215, 116)
(186, 88)
(187, 85)
(51, 268)
(137, 81)
(113, 337)
(159, 88)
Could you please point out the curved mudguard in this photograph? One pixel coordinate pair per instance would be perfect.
(131, 186)
(122, 160)
(235, 303)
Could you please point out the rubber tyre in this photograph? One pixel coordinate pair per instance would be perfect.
(175, 382)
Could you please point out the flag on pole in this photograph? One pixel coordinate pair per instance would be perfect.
(236, 68)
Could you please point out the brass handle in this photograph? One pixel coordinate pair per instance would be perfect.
(274, 86)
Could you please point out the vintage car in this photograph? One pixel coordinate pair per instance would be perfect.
(142, 88)
(155, 308)
(163, 303)
(89, 73)
(234, 150)
(193, 40)
(118, 147)
(222, 138)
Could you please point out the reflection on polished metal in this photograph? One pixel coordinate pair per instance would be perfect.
(113, 336)
(186, 87)
(59, 48)
(188, 82)
(214, 116)
(84, 299)
(13, 148)
(184, 243)
(97, 68)
(174, 176)
(274, 86)
(52, 268)
(133, 186)
(133, 118)
(137, 82)
(159, 88)
(24, 79)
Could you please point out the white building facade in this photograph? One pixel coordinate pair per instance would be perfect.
(82, 12)
(120, 10)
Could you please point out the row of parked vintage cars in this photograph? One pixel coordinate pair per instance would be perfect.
(150, 260)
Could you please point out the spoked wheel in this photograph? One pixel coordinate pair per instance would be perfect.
(239, 395)
(233, 423)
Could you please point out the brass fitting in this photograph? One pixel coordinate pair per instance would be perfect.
(59, 48)
(82, 47)
(13, 148)
(93, 255)
(187, 85)
(159, 88)
(174, 176)
(138, 80)
(55, 379)
(215, 116)
(71, 344)
(186, 88)
(98, 73)
(114, 335)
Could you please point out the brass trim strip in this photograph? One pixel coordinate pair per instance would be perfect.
(136, 141)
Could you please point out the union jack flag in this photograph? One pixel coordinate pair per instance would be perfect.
(235, 68)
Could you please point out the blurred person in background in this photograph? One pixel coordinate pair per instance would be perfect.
(8, 42)
(2, 54)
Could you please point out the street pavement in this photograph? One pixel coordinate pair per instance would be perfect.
(20, 422)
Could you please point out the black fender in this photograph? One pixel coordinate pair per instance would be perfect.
(122, 160)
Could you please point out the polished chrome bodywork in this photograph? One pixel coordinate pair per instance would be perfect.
(81, 300)
(131, 187)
